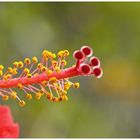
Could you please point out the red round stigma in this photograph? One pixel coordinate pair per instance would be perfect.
(95, 61)
(78, 55)
(86, 50)
(85, 68)
(97, 72)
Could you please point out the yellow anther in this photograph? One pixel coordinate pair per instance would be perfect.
(1, 72)
(53, 55)
(26, 71)
(46, 53)
(49, 72)
(27, 61)
(44, 69)
(49, 96)
(34, 59)
(14, 71)
(13, 95)
(21, 103)
(38, 95)
(66, 53)
(44, 83)
(66, 87)
(5, 97)
(20, 64)
(39, 66)
(29, 76)
(28, 96)
(55, 99)
(54, 63)
(64, 98)
(10, 69)
(15, 64)
(52, 80)
(57, 69)
(64, 62)
(1, 67)
(7, 76)
(20, 86)
(42, 92)
(76, 85)
(60, 53)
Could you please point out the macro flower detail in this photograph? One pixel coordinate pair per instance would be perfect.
(47, 77)
(8, 129)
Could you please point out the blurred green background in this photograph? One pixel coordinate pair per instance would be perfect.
(108, 107)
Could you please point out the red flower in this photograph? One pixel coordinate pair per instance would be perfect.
(8, 129)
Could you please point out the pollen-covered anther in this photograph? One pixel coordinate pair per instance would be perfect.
(57, 69)
(66, 53)
(76, 85)
(38, 95)
(97, 71)
(79, 55)
(29, 76)
(1, 67)
(26, 71)
(63, 62)
(43, 69)
(44, 83)
(10, 69)
(94, 61)
(22, 103)
(28, 96)
(1, 72)
(49, 96)
(39, 66)
(20, 86)
(34, 60)
(27, 61)
(13, 95)
(54, 63)
(15, 64)
(60, 54)
(49, 72)
(14, 71)
(20, 64)
(7, 77)
(5, 97)
(87, 51)
(85, 68)
(64, 97)
(52, 80)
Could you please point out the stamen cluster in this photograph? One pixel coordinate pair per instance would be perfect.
(47, 77)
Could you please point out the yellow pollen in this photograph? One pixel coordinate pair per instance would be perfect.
(34, 59)
(20, 86)
(5, 97)
(64, 62)
(20, 64)
(27, 61)
(13, 95)
(52, 80)
(29, 76)
(1, 67)
(49, 72)
(28, 96)
(76, 85)
(21, 103)
(57, 69)
(38, 95)
(10, 69)
(1, 72)
(26, 71)
(15, 64)
(39, 66)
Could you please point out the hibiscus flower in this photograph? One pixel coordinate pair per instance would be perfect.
(8, 129)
